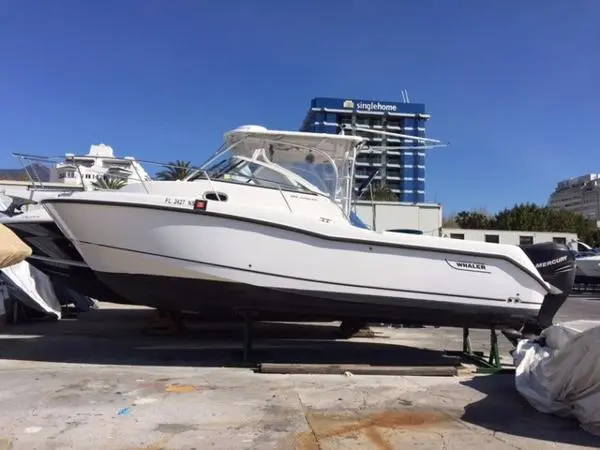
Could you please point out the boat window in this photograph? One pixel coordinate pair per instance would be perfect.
(357, 222)
(284, 164)
(240, 170)
(319, 175)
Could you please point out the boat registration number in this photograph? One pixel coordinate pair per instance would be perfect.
(179, 202)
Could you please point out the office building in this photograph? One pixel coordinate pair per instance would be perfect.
(403, 170)
(580, 195)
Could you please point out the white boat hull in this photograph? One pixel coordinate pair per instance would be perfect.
(588, 270)
(198, 261)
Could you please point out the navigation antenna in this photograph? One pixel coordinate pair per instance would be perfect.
(405, 98)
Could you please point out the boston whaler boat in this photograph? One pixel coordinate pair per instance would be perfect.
(265, 228)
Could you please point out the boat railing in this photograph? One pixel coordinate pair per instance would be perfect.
(137, 167)
(187, 173)
(342, 193)
(422, 144)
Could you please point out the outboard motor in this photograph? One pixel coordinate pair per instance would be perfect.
(556, 264)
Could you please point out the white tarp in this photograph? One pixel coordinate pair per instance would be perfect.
(562, 376)
(28, 284)
(33, 288)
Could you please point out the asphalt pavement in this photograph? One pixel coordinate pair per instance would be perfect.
(99, 382)
(580, 306)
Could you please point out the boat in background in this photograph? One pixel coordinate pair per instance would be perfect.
(588, 268)
(52, 253)
(22, 281)
(56, 257)
(264, 227)
(587, 260)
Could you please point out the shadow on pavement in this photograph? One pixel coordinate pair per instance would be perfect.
(114, 336)
(504, 410)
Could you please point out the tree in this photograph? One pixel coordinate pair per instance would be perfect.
(474, 220)
(527, 217)
(590, 237)
(108, 182)
(450, 221)
(531, 217)
(175, 170)
(381, 193)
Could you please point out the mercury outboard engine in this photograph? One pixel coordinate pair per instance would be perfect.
(556, 264)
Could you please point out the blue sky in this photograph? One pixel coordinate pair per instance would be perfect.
(513, 85)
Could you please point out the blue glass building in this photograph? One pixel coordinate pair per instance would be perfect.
(403, 170)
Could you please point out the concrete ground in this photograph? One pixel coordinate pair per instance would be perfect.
(97, 382)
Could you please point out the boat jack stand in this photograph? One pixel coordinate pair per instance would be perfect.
(491, 364)
(248, 322)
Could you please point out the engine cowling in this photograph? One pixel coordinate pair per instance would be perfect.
(556, 264)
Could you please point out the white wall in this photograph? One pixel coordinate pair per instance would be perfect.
(509, 237)
(426, 217)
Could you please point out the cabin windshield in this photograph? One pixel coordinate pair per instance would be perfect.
(289, 169)
(238, 169)
(319, 164)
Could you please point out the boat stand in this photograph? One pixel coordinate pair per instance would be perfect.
(248, 334)
(491, 364)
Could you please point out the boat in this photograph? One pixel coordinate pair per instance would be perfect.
(587, 260)
(56, 257)
(588, 268)
(264, 227)
(22, 282)
(52, 253)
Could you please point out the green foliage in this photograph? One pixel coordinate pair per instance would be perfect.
(108, 182)
(381, 193)
(474, 220)
(531, 217)
(449, 221)
(178, 171)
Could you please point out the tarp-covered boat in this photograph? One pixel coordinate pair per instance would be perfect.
(560, 372)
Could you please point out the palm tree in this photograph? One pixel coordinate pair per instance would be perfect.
(382, 193)
(175, 170)
(108, 182)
